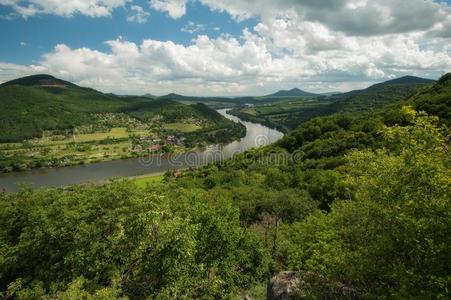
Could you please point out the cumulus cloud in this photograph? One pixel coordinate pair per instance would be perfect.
(354, 17)
(317, 45)
(66, 8)
(251, 64)
(11, 71)
(192, 27)
(174, 8)
(138, 15)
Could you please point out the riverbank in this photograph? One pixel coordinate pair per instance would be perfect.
(256, 135)
(117, 144)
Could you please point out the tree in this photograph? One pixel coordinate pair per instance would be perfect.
(394, 239)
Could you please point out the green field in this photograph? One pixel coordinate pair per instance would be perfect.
(149, 180)
(114, 133)
(250, 111)
(182, 127)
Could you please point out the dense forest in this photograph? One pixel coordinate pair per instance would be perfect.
(357, 205)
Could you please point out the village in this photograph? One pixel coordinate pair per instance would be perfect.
(160, 145)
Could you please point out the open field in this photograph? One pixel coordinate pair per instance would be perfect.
(114, 133)
(250, 111)
(182, 127)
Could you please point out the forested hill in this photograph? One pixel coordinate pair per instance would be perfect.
(36, 103)
(435, 100)
(379, 95)
(39, 80)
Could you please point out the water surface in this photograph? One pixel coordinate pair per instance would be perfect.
(257, 135)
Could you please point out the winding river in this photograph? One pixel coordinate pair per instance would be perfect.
(256, 135)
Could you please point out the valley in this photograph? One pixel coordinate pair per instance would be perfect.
(47, 122)
(225, 150)
(353, 198)
(142, 163)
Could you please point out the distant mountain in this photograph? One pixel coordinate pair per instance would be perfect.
(291, 93)
(330, 93)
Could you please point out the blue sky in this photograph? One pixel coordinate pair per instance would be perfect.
(42, 33)
(227, 47)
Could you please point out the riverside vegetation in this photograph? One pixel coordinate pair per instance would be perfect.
(359, 209)
(48, 122)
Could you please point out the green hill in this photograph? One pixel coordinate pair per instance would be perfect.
(36, 103)
(379, 95)
(436, 100)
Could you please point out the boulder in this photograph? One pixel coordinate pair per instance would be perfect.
(285, 286)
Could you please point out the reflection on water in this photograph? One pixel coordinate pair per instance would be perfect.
(256, 135)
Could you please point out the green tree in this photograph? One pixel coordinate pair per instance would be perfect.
(393, 240)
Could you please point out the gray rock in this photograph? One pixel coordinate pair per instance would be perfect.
(285, 286)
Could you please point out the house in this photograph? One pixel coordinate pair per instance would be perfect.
(155, 147)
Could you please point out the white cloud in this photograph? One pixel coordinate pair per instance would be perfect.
(192, 27)
(11, 71)
(252, 64)
(353, 17)
(317, 45)
(138, 15)
(66, 8)
(23, 44)
(174, 8)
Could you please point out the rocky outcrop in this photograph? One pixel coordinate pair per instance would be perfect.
(289, 285)
(285, 286)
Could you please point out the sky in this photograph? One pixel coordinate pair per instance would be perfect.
(227, 47)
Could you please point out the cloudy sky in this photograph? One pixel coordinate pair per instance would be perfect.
(227, 47)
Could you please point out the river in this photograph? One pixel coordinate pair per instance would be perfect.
(257, 135)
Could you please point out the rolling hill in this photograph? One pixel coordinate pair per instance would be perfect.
(379, 95)
(36, 103)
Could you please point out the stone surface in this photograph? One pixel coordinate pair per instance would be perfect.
(284, 286)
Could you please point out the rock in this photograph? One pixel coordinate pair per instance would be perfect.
(285, 286)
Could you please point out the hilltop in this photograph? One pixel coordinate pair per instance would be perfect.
(292, 93)
(405, 80)
(43, 80)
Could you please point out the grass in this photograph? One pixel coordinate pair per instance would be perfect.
(149, 180)
(249, 111)
(117, 133)
(182, 127)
